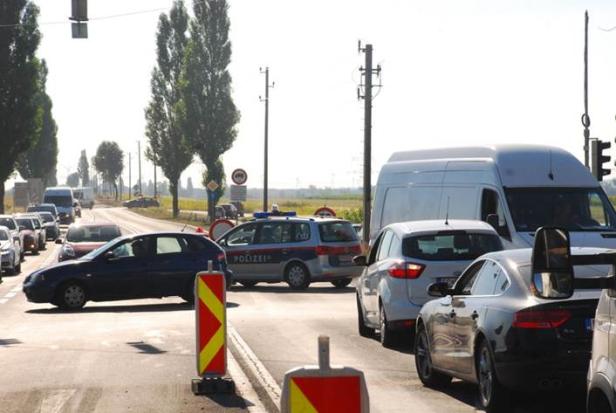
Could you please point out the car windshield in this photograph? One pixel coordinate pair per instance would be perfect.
(8, 222)
(102, 233)
(59, 200)
(41, 208)
(26, 223)
(4, 236)
(575, 209)
(450, 246)
(337, 231)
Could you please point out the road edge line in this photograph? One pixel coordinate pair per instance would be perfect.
(244, 387)
(249, 359)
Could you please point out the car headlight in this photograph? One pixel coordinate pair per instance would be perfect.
(68, 251)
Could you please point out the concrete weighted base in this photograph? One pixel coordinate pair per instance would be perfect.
(213, 385)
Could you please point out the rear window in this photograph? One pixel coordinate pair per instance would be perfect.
(92, 233)
(337, 231)
(59, 200)
(450, 246)
(26, 223)
(7, 222)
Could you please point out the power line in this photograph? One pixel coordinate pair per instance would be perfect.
(111, 16)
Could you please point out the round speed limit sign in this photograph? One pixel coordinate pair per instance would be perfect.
(239, 176)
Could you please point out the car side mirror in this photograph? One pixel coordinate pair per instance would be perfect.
(552, 271)
(109, 255)
(439, 289)
(360, 260)
(59, 241)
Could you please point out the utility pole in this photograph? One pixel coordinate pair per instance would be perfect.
(139, 164)
(130, 183)
(154, 180)
(585, 117)
(367, 72)
(265, 160)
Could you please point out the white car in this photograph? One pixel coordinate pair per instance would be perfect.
(9, 252)
(404, 260)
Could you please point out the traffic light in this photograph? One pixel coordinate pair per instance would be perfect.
(598, 158)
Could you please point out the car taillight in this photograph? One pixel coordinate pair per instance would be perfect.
(402, 269)
(327, 250)
(540, 319)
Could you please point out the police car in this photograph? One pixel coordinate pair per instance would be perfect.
(283, 247)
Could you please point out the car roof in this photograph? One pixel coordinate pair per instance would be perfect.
(427, 226)
(7, 216)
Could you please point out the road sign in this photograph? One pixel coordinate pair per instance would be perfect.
(219, 227)
(238, 193)
(211, 333)
(239, 176)
(212, 186)
(325, 212)
(325, 388)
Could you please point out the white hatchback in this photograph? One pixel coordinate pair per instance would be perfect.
(404, 260)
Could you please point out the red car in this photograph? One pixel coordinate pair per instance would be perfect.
(84, 238)
(31, 237)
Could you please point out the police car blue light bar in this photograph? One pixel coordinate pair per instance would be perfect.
(270, 214)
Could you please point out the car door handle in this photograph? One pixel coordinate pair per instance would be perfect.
(452, 314)
(474, 315)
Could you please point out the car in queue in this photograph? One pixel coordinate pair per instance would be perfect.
(81, 239)
(153, 265)
(85, 196)
(64, 200)
(10, 258)
(500, 328)
(51, 208)
(29, 233)
(11, 224)
(39, 229)
(52, 229)
(404, 260)
(293, 249)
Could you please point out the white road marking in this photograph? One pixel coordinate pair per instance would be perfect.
(10, 294)
(256, 367)
(243, 386)
(16, 289)
(3, 300)
(54, 402)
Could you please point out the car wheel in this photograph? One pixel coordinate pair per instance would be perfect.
(35, 251)
(362, 328)
(43, 245)
(598, 403)
(297, 276)
(492, 396)
(389, 338)
(71, 296)
(423, 362)
(248, 284)
(341, 283)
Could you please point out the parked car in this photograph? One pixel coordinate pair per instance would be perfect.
(81, 239)
(134, 266)
(296, 250)
(39, 229)
(29, 234)
(219, 212)
(230, 211)
(9, 222)
(51, 208)
(515, 188)
(492, 328)
(239, 206)
(63, 199)
(407, 257)
(9, 252)
(141, 202)
(52, 229)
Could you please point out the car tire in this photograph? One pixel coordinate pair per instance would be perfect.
(362, 328)
(297, 276)
(341, 283)
(423, 362)
(598, 403)
(43, 245)
(248, 284)
(492, 395)
(388, 337)
(71, 296)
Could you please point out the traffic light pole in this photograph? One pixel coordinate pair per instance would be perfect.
(367, 144)
(585, 117)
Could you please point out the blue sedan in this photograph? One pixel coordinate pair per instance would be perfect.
(152, 265)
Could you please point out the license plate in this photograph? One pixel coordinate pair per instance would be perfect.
(449, 280)
(589, 324)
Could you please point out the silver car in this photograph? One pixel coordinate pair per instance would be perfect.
(292, 249)
(404, 260)
(9, 252)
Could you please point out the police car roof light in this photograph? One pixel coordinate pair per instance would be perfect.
(261, 215)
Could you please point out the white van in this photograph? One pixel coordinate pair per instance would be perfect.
(85, 196)
(62, 197)
(515, 188)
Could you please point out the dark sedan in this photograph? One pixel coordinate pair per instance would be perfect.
(152, 265)
(492, 330)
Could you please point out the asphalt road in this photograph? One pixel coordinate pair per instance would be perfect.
(139, 355)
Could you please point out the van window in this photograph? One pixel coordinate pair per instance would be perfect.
(490, 205)
(396, 206)
(450, 246)
(302, 232)
(243, 235)
(460, 202)
(575, 209)
(425, 203)
(337, 231)
(59, 200)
